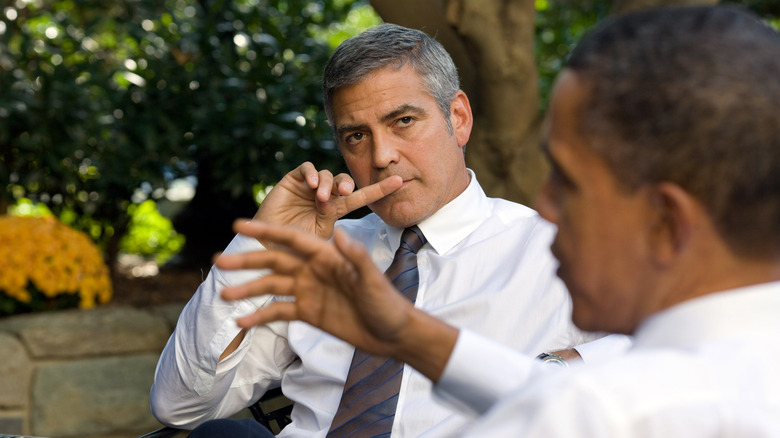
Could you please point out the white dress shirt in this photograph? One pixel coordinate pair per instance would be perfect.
(709, 367)
(486, 266)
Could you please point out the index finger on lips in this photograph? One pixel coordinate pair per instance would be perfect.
(372, 193)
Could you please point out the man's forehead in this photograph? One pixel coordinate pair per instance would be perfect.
(563, 141)
(568, 104)
(382, 94)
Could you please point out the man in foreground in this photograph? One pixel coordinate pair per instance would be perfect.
(665, 188)
(401, 123)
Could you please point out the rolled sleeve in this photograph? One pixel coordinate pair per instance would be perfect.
(191, 385)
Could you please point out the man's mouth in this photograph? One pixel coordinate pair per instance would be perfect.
(405, 183)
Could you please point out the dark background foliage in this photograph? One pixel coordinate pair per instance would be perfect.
(103, 104)
(101, 101)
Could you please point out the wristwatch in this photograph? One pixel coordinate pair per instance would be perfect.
(553, 358)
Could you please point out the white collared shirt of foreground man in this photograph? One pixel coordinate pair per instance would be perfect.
(677, 380)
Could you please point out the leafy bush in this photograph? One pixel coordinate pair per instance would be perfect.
(100, 98)
(150, 234)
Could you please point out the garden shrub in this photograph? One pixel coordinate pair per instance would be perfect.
(46, 265)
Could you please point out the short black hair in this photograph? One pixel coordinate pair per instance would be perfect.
(691, 95)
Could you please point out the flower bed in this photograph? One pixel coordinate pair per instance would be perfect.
(47, 265)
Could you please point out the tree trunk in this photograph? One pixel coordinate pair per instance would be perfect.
(491, 42)
(112, 244)
(207, 221)
(5, 204)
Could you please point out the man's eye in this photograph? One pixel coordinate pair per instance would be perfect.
(559, 180)
(555, 176)
(355, 137)
(403, 121)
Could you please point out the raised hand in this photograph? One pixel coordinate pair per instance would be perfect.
(337, 288)
(313, 200)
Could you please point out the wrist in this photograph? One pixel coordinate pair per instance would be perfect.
(426, 344)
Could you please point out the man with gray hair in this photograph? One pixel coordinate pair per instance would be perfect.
(664, 142)
(401, 122)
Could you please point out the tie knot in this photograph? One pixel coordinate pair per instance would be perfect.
(413, 239)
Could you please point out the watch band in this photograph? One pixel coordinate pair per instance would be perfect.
(553, 358)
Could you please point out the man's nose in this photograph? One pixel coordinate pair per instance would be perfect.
(385, 152)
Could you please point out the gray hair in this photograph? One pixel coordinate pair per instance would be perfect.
(392, 45)
(691, 95)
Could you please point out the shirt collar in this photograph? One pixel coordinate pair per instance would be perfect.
(452, 223)
(723, 315)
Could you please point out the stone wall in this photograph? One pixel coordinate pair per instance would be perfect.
(81, 373)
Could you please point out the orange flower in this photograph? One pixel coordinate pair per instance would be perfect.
(52, 257)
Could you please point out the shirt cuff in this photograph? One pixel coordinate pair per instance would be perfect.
(481, 371)
(603, 349)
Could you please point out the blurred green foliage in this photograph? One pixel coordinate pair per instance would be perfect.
(150, 234)
(26, 207)
(100, 98)
(559, 26)
(561, 23)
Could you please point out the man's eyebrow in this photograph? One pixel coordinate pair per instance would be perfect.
(403, 109)
(392, 115)
(341, 129)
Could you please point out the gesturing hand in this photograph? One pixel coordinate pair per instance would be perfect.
(313, 200)
(336, 287)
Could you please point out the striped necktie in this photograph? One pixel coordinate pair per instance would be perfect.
(367, 406)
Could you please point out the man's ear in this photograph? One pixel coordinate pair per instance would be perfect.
(673, 221)
(461, 118)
